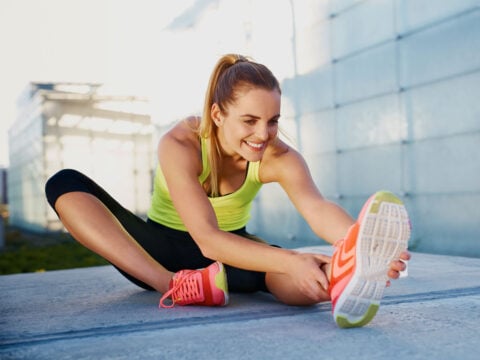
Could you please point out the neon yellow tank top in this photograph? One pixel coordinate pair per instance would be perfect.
(232, 210)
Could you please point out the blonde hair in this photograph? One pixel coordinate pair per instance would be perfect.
(231, 75)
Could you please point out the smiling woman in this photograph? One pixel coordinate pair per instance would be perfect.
(209, 172)
(252, 122)
(233, 79)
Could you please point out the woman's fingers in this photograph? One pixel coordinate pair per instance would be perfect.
(323, 258)
(396, 266)
(405, 255)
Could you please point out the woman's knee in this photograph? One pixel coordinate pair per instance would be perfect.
(60, 183)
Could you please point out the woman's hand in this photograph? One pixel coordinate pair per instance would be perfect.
(307, 275)
(396, 266)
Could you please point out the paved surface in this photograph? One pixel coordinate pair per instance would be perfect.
(95, 313)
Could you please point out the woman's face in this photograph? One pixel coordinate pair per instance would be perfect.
(248, 125)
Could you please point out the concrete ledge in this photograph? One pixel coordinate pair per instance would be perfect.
(95, 313)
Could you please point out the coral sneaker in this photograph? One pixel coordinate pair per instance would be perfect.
(360, 261)
(200, 287)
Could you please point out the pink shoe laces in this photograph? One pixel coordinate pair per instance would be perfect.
(186, 288)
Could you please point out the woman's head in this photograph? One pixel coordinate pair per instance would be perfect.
(237, 74)
(233, 76)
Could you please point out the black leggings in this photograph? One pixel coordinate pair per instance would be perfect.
(174, 249)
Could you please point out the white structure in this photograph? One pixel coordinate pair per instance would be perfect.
(65, 125)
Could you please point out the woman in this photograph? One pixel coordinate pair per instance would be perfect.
(210, 169)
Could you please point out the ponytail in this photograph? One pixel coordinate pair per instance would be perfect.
(231, 74)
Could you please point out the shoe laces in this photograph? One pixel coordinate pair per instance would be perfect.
(186, 288)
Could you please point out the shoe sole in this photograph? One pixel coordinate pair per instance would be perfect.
(383, 235)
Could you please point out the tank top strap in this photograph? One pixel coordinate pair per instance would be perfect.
(252, 172)
(205, 166)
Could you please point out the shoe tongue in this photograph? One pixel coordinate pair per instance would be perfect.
(178, 277)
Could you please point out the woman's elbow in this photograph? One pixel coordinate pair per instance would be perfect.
(208, 252)
(205, 244)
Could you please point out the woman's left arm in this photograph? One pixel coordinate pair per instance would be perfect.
(327, 220)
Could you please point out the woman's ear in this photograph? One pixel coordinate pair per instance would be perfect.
(216, 114)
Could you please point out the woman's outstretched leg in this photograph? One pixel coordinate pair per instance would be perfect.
(93, 225)
(284, 288)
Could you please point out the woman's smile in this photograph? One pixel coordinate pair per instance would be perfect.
(256, 146)
(250, 124)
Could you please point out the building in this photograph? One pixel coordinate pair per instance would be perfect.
(77, 125)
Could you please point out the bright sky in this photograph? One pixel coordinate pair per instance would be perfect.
(120, 43)
(109, 41)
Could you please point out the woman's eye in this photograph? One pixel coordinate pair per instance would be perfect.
(250, 122)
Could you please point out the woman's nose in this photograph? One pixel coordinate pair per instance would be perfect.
(262, 132)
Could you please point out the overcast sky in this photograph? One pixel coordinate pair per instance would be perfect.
(108, 41)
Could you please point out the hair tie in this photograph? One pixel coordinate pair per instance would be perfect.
(240, 59)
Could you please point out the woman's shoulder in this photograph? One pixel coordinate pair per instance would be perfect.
(184, 132)
(279, 151)
(181, 145)
(181, 140)
(278, 157)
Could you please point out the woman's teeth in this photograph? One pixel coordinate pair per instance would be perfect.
(254, 145)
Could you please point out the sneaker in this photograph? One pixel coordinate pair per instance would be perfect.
(360, 261)
(200, 287)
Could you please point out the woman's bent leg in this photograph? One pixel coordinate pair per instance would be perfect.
(94, 226)
(98, 222)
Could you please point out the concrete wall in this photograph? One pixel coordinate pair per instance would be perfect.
(391, 103)
(378, 94)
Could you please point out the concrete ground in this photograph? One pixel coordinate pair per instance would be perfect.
(95, 313)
